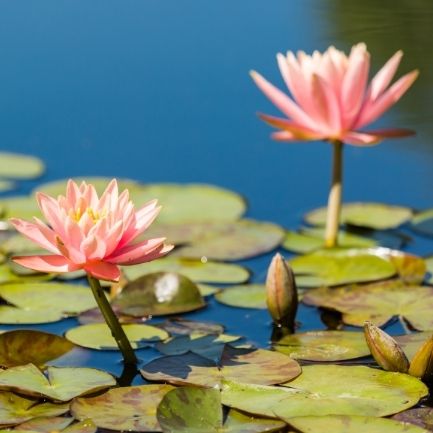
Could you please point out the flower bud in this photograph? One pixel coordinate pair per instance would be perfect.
(281, 293)
(385, 350)
(422, 363)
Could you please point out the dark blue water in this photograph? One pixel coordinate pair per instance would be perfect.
(159, 91)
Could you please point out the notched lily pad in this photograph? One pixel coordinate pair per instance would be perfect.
(131, 408)
(19, 166)
(245, 365)
(98, 336)
(158, 294)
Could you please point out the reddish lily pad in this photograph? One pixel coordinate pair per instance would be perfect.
(421, 416)
(131, 408)
(245, 365)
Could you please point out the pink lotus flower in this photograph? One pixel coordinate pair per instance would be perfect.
(91, 233)
(331, 99)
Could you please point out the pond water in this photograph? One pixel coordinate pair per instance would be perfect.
(160, 92)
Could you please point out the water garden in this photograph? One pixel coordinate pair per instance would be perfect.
(153, 294)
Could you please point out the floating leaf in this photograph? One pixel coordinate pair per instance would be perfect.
(7, 275)
(324, 345)
(180, 326)
(17, 316)
(61, 384)
(25, 207)
(245, 365)
(55, 425)
(177, 413)
(410, 343)
(158, 294)
(377, 303)
(207, 290)
(422, 417)
(15, 409)
(350, 424)
(17, 244)
(245, 296)
(6, 185)
(340, 266)
(429, 265)
(329, 390)
(98, 336)
(195, 270)
(131, 408)
(19, 166)
(377, 216)
(422, 222)
(23, 346)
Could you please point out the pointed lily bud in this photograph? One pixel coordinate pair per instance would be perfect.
(422, 363)
(281, 293)
(385, 350)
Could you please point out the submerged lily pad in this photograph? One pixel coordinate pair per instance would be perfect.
(15, 409)
(98, 336)
(421, 416)
(180, 326)
(158, 294)
(24, 346)
(351, 424)
(19, 166)
(196, 270)
(377, 216)
(377, 303)
(245, 365)
(329, 390)
(131, 408)
(422, 222)
(245, 296)
(60, 384)
(324, 345)
(178, 411)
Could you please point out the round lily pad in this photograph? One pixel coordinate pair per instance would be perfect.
(60, 384)
(245, 296)
(324, 345)
(377, 216)
(98, 336)
(17, 316)
(158, 294)
(204, 271)
(19, 166)
(245, 365)
(19, 347)
(421, 416)
(131, 408)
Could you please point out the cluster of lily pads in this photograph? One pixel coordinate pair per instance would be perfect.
(203, 379)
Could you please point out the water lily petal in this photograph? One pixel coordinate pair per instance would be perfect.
(46, 263)
(103, 270)
(131, 253)
(383, 78)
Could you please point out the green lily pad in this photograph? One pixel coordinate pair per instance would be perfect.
(245, 296)
(429, 265)
(196, 270)
(340, 266)
(19, 166)
(377, 303)
(19, 347)
(158, 294)
(7, 275)
(17, 244)
(98, 336)
(422, 222)
(18, 316)
(410, 343)
(234, 241)
(6, 185)
(351, 424)
(377, 216)
(180, 326)
(55, 425)
(329, 390)
(245, 365)
(131, 408)
(324, 345)
(60, 384)
(422, 417)
(15, 409)
(207, 290)
(25, 207)
(177, 413)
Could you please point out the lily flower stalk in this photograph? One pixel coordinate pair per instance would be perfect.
(332, 100)
(94, 234)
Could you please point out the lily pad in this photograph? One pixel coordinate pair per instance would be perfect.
(131, 408)
(25, 207)
(245, 296)
(55, 425)
(377, 216)
(245, 365)
(23, 346)
(207, 290)
(17, 244)
(180, 326)
(19, 166)
(7, 275)
(6, 185)
(15, 409)
(196, 270)
(60, 384)
(421, 416)
(422, 222)
(98, 336)
(410, 343)
(377, 303)
(340, 266)
(351, 424)
(177, 413)
(324, 345)
(329, 390)
(158, 294)
(429, 264)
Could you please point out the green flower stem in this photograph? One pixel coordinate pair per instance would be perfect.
(334, 200)
(111, 319)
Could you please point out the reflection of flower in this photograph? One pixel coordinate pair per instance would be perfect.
(91, 233)
(331, 99)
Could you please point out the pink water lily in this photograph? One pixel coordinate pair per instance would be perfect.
(91, 233)
(331, 97)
